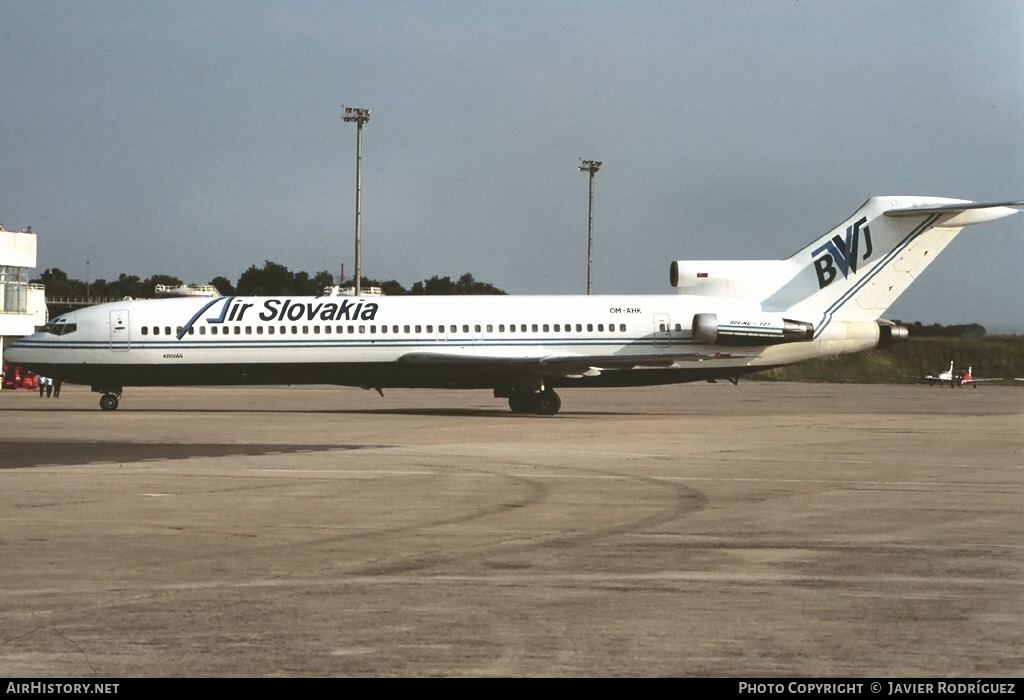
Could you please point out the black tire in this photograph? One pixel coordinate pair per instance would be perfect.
(521, 403)
(108, 402)
(547, 403)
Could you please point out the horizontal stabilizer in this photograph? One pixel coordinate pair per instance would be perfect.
(948, 208)
(959, 214)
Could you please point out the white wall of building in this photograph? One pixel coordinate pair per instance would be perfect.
(18, 248)
(22, 305)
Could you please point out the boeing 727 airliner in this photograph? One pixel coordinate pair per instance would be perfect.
(727, 319)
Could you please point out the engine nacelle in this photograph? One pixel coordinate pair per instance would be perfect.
(891, 333)
(751, 280)
(762, 330)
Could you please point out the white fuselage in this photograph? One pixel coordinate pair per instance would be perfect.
(480, 341)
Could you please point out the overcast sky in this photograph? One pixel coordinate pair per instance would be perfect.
(199, 138)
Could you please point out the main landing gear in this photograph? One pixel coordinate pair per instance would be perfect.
(544, 403)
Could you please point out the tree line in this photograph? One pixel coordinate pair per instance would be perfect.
(272, 279)
(937, 330)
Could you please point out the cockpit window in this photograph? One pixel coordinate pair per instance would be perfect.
(60, 327)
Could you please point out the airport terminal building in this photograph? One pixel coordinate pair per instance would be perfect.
(22, 305)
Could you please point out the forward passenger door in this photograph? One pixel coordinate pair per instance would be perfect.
(120, 331)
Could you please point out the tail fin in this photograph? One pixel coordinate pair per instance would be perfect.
(857, 270)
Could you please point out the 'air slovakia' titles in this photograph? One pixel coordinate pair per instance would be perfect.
(234, 311)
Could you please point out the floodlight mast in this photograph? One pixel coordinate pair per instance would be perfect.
(360, 117)
(590, 166)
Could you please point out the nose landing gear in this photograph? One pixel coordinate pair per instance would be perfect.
(111, 397)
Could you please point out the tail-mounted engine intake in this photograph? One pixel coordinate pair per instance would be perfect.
(764, 330)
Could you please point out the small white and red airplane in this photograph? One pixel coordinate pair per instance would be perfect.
(727, 318)
(955, 379)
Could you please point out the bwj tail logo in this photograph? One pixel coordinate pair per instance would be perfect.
(836, 255)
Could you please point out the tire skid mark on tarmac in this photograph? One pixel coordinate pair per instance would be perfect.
(684, 501)
(535, 492)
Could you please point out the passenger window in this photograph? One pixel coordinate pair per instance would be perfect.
(145, 330)
(600, 328)
(202, 330)
(156, 330)
(590, 328)
(622, 327)
(248, 330)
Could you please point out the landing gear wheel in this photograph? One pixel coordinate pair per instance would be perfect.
(547, 403)
(109, 402)
(521, 403)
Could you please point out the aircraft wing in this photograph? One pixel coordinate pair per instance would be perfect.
(566, 365)
(977, 380)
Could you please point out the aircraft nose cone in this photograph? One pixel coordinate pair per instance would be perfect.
(15, 354)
